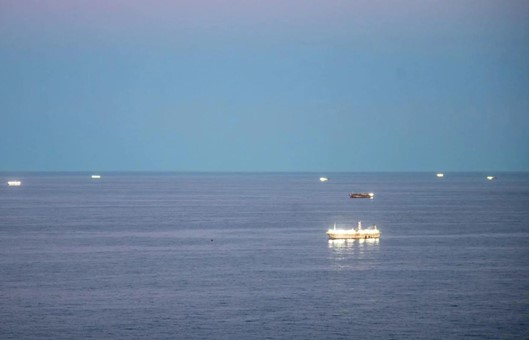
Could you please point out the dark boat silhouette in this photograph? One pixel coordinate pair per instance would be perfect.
(369, 195)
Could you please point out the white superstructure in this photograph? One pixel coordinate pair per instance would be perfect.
(353, 233)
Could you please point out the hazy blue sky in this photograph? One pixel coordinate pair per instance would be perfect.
(264, 85)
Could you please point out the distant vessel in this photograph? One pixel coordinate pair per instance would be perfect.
(323, 179)
(490, 178)
(440, 175)
(353, 233)
(369, 195)
(14, 183)
(96, 176)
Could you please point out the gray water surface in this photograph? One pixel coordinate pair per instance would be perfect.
(245, 256)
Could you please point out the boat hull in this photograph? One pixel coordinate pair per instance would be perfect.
(362, 195)
(352, 234)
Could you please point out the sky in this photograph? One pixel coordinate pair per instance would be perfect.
(312, 85)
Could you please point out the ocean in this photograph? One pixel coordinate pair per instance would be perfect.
(245, 256)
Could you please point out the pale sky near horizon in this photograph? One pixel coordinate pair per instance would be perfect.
(264, 85)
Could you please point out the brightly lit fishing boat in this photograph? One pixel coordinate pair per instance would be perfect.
(353, 233)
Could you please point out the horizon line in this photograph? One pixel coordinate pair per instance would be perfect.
(261, 171)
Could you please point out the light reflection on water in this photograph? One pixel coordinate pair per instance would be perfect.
(346, 254)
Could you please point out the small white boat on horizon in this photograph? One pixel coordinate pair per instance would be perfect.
(490, 178)
(440, 175)
(14, 183)
(323, 179)
(96, 176)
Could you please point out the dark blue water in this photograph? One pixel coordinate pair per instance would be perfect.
(229, 256)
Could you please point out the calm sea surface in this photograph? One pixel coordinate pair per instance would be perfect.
(245, 256)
